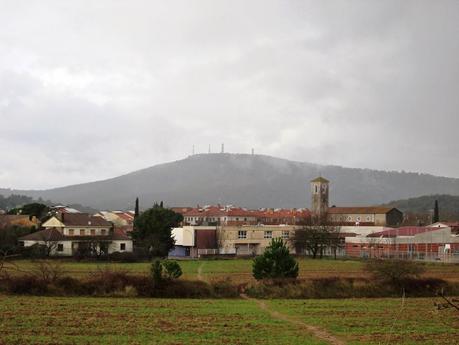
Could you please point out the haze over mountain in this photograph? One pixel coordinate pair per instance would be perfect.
(247, 180)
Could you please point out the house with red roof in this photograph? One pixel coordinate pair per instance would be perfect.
(68, 234)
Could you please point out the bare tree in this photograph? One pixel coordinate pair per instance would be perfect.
(49, 240)
(47, 270)
(316, 237)
(448, 302)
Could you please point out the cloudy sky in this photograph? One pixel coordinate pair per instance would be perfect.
(94, 89)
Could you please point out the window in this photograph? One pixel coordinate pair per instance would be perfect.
(82, 232)
(349, 218)
(71, 232)
(285, 234)
(358, 219)
(316, 189)
(368, 218)
(122, 246)
(103, 232)
(60, 247)
(242, 234)
(93, 232)
(268, 234)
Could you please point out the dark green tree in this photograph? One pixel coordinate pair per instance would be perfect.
(436, 215)
(9, 238)
(275, 263)
(156, 271)
(172, 269)
(33, 209)
(153, 230)
(136, 212)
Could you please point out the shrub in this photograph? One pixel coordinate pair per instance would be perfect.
(156, 272)
(27, 285)
(224, 288)
(124, 257)
(70, 286)
(183, 289)
(106, 281)
(394, 272)
(172, 269)
(47, 270)
(275, 263)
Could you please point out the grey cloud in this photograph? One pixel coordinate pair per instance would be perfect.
(91, 90)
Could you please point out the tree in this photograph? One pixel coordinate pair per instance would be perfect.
(153, 230)
(9, 238)
(48, 241)
(436, 215)
(394, 272)
(276, 262)
(156, 272)
(33, 209)
(136, 212)
(172, 269)
(315, 237)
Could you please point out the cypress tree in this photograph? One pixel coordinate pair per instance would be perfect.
(136, 212)
(436, 215)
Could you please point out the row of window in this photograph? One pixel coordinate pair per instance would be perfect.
(83, 232)
(60, 247)
(211, 219)
(242, 234)
(349, 218)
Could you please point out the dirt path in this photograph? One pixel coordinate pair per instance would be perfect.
(200, 276)
(314, 330)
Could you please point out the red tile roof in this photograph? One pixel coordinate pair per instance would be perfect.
(403, 231)
(359, 210)
(83, 219)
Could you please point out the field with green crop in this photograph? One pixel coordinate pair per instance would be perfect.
(77, 320)
(378, 321)
(46, 320)
(240, 270)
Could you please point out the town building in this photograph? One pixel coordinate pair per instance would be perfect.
(122, 220)
(194, 241)
(433, 243)
(68, 234)
(251, 239)
(365, 216)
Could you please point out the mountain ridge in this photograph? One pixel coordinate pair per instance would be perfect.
(246, 180)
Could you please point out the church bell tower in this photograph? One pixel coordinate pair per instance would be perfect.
(319, 193)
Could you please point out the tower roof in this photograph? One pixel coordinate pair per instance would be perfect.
(320, 179)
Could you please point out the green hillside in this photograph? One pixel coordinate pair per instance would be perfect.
(448, 205)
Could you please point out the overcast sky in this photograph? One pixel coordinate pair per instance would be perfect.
(94, 89)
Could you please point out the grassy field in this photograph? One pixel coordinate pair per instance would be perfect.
(377, 321)
(46, 320)
(240, 270)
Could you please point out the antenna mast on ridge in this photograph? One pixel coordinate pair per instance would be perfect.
(223, 148)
